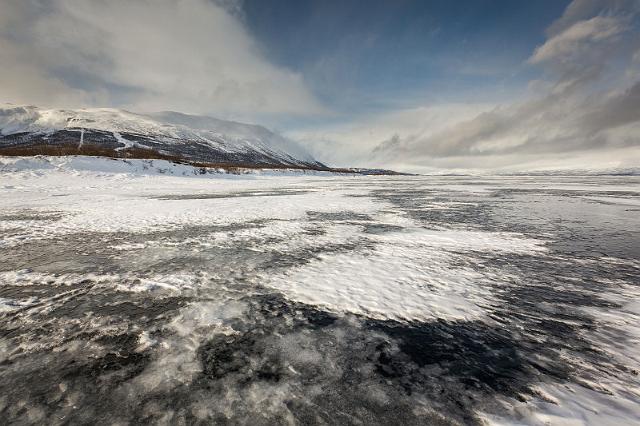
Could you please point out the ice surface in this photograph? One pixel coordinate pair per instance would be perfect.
(141, 291)
(94, 194)
(409, 275)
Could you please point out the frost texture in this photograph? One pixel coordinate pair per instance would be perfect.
(141, 291)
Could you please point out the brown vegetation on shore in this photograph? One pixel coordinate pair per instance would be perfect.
(88, 149)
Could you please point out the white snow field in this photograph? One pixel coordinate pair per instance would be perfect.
(144, 291)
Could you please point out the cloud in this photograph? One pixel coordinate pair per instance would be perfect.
(617, 110)
(577, 40)
(196, 56)
(188, 55)
(351, 143)
(581, 10)
(588, 101)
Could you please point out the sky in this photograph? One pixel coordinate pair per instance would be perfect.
(415, 85)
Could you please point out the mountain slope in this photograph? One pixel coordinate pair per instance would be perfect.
(28, 130)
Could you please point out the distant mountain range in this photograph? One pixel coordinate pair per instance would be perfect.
(197, 140)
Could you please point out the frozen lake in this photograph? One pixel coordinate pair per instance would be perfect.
(133, 298)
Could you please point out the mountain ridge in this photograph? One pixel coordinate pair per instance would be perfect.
(198, 140)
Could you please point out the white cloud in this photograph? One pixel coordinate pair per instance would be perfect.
(197, 56)
(581, 10)
(587, 107)
(187, 55)
(350, 143)
(578, 39)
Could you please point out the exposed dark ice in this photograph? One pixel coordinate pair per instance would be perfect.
(233, 350)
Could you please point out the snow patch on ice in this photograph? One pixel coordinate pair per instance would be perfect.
(7, 305)
(176, 362)
(160, 284)
(573, 405)
(407, 276)
(103, 195)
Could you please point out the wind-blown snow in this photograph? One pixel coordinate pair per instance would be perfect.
(94, 195)
(409, 275)
(312, 282)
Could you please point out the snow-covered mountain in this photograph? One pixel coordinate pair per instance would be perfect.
(170, 135)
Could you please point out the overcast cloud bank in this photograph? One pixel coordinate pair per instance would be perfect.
(192, 56)
(199, 56)
(586, 107)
